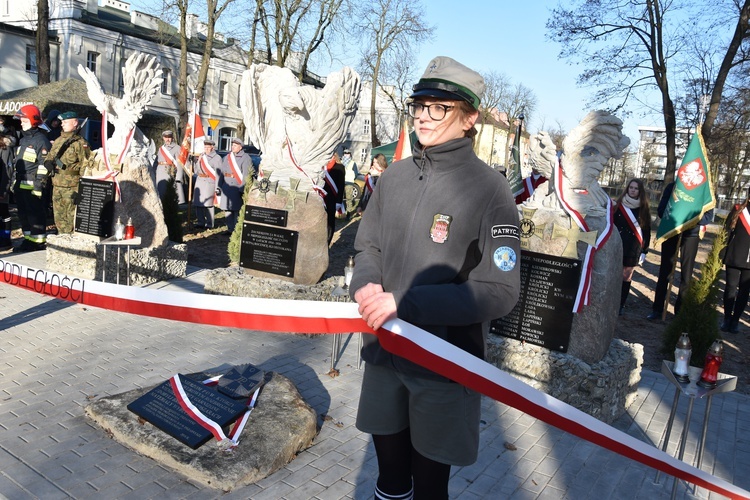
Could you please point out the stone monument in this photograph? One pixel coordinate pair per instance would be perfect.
(125, 159)
(595, 374)
(298, 128)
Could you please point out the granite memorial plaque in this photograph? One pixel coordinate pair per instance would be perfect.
(265, 215)
(160, 407)
(268, 249)
(543, 315)
(96, 207)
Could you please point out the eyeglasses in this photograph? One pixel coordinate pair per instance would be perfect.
(436, 111)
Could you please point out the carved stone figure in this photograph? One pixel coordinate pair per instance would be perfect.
(297, 127)
(139, 199)
(586, 151)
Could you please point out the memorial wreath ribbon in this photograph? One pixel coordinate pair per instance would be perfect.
(111, 173)
(321, 192)
(396, 336)
(584, 287)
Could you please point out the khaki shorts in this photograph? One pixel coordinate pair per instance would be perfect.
(443, 417)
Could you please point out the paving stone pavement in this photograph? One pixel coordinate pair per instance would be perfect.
(56, 356)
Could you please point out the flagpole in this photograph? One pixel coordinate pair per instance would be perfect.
(192, 165)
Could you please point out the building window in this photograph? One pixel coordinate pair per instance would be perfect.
(222, 92)
(363, 156)
(122, 77)
(366, 126)
(91, 60)
(30, 59)
(165, 83)
(225, 136)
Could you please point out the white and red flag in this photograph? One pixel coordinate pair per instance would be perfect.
(403, 147)
(192, 143)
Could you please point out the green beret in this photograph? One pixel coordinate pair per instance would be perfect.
(68, 115)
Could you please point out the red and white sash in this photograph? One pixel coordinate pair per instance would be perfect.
(369, 185)
(126, 146)
(235, 168)
(317, 188)
(633, 223)
(745, 218)
(211, 172)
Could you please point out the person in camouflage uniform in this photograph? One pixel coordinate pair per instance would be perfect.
(69, 154)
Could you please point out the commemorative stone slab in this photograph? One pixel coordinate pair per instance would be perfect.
(266, 215)
(268, 249)
(96, 207)
(161, 407)
(543, 315)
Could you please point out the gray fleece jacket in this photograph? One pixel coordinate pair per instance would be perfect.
(441, 233)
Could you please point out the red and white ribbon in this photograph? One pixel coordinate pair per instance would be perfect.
(584, 286)
(633, 223)
(369, 184)
(290, 150)
(396, 336)
(111, 173)
(211, 172)
(126, 146)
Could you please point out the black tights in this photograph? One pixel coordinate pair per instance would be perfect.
(399, 464)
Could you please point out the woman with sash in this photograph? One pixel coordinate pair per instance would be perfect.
(737, 262)
(633, 221)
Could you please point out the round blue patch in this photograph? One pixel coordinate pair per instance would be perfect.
(505, 258)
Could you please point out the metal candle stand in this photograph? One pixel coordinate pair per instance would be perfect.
(724, 383)
(112, 242)
(341, 294)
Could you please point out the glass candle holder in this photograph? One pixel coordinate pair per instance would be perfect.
(714, 358)
(682, 354)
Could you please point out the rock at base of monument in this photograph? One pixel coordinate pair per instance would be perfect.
(161, 407)
(80, 256)
(280, 426)
(236, 282)
(604, 389)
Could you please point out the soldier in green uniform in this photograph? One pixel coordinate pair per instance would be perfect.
(69, 154)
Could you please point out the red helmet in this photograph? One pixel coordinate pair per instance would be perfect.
(32, 113)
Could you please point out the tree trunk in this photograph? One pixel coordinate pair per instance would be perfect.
(42, 43)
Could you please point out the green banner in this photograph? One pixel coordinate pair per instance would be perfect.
(513, 172)
(693, 193)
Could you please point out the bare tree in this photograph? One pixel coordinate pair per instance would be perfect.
(389, 29)
(516, 101)
(623, 45)
(290, 26)
(497, 87)
(627, 48)
(42, 42)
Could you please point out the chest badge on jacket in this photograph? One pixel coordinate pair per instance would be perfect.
(440, 227)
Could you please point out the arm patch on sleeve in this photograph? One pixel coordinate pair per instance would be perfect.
(505, 231)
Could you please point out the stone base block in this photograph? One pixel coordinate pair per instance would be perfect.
(603, 390)
(236, 282)
(280, 426)
(84, 257)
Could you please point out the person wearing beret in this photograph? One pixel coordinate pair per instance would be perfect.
(230, 182)
(204, 191)
(69, 154)
(167, 167)
(438, 247)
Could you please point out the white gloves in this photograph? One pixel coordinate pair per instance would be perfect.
(641, 259)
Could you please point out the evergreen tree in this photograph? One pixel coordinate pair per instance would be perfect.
(698, 315)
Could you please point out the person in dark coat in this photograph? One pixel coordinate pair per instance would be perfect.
(204, 191)
(335, 181)
(633, 221)
(689, 240)
(737, 262)
(8, 141)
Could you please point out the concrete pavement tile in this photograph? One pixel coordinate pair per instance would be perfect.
(338, 490)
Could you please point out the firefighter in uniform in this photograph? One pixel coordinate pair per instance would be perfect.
(230, 182)
(167, 167)
(69, 154)
(31, 178)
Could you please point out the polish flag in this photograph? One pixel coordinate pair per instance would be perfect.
(403, 148)
(192, 143)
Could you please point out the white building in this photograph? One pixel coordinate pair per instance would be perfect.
(651, 161)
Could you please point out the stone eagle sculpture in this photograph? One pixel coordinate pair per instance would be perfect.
(298, 127)
(141, 79)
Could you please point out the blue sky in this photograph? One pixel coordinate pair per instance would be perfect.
(509, 37)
